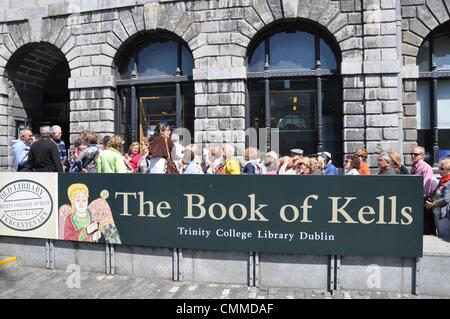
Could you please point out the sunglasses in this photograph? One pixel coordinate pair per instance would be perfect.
(415, 154)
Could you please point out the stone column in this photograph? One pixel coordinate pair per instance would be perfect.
(91, 105)
(220, 113)
(371, 79)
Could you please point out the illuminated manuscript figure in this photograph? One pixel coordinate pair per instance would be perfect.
(88, 223)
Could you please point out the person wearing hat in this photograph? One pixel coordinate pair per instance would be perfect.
(296, 152)
(330, 169)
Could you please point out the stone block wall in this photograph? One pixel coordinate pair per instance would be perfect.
(378, 113)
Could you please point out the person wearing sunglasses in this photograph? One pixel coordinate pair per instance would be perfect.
(421, 168)
(439, 201)
(351, 164)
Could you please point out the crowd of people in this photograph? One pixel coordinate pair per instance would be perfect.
(162, 153)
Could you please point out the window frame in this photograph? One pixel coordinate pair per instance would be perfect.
(433, 76)
(269, 75)
(134, 82)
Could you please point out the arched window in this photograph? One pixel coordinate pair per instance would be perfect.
(433, 94)
(293, 87)
(155, 85)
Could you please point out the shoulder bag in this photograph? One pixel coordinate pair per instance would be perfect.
(171, 167)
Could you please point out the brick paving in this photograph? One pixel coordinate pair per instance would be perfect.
(27, 282)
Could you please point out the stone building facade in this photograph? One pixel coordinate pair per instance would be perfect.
(66, 62)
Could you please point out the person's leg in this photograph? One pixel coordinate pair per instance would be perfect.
(429, 227)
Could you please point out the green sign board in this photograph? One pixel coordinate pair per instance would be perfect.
(330, 215)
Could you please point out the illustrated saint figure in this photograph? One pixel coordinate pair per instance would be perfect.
(87, 223)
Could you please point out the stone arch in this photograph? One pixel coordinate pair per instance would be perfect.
(323, 13)
(173, 18)
(122, 51)
(292, 23)
(37, 75)
(54, 32)
(423, 20)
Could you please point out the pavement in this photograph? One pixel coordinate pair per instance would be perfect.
(37, 283)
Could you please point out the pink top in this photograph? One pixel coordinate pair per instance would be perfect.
(135, 161)
(271, 173)
(423, 169)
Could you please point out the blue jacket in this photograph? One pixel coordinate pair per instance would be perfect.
(330, 169)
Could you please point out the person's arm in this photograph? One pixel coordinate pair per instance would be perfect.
(56, 159)
(445, 197)
(99, 163)
(30, 161)
(120, 165)
(23, 158)
(78, 161)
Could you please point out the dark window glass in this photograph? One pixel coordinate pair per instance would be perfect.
(425, 139)
(332, 119)
(257, 59)
(443, 115)
(158, 58)
(292, 51)
(444, 143)
(127, 68)
(327, 58)
(187, 63)
(125, 113)
(441, 52)
(256, 92)
(188, 116)
(443, 105)
(293, 112)
(423, 57)
(423, 105)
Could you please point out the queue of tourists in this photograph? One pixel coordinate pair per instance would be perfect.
(162, 153)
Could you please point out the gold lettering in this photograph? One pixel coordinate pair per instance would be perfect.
(362, 212)
(243, 211)
(125, 202)
(283, 213)
(142, 206)
(190, 205)
(393, 210)
(406, 212)
(334, 219)
(254, 212)
(223, 210)
(381, 212)
(160, 207)
(305, 208)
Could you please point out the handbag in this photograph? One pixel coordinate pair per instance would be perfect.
(171, 167)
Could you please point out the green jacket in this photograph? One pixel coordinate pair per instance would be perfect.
(111, 161)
